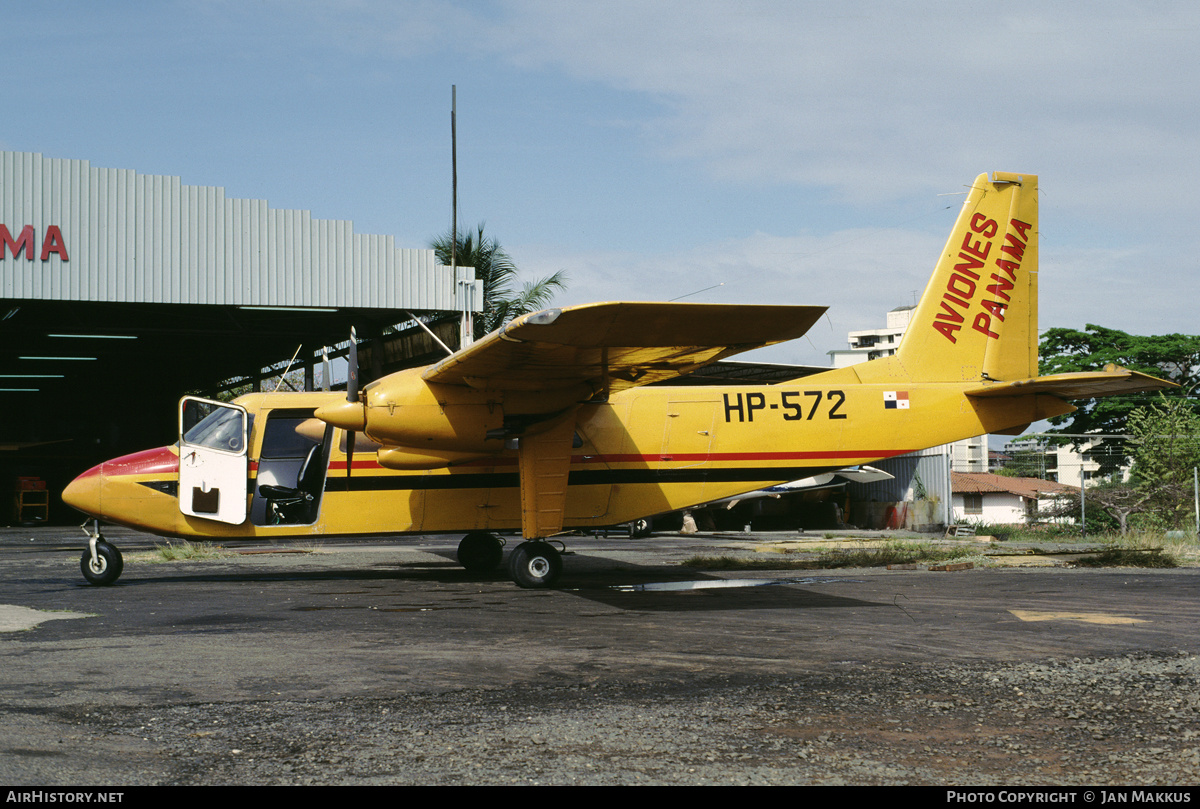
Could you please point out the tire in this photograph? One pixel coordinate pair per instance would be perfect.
(535, 565)
(480, 552)
(107, 568)
(640, 529)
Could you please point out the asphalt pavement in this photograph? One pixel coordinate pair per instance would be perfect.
(385, 662)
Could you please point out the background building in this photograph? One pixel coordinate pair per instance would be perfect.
(1073, 465)
(121, 291)
(1000, 500)
(871, 344)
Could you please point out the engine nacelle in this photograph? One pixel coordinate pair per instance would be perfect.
(403, 410)
(410, 460)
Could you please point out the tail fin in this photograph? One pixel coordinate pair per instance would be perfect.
(978, 317)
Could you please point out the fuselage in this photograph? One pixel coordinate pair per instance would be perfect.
(645, 451)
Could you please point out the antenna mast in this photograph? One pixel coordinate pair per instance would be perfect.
(466, 333)
(453, 179)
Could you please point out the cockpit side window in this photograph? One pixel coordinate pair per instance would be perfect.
(213, 461)
(215, 426)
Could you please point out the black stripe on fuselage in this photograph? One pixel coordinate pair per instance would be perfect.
(591, 477)
(512, 480)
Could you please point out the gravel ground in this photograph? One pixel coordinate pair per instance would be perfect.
(1130, 720)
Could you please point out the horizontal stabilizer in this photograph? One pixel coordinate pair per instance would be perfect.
(1112, 381)
(613, 346)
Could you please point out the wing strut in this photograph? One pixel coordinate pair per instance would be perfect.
(545, 460)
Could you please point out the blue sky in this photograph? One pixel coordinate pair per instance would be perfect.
(797, 152)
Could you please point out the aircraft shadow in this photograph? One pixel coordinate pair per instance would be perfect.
(625, 587)
(699, 593)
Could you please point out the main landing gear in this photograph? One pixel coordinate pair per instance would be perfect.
(101, 563)
(535, 564)
(480, 551)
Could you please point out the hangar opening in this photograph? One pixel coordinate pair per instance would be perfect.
(120, 292)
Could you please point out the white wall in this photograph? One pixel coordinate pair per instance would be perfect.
(998, 507)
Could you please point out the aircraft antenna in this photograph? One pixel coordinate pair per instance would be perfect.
(429, 331)
(288, 368)
(697, 292)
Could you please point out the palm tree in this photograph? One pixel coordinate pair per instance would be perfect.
(493, 266)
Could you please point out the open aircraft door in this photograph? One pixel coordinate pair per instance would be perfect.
(213, 460)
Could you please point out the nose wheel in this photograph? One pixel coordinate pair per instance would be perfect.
(101, 563)
(535, 565)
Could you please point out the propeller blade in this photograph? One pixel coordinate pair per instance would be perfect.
(350, 415)
(352, 379)
(351, 396)
(325, 374)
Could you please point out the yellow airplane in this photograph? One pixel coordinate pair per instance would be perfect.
(548, 424)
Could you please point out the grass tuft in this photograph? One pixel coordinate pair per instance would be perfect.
(184, 551)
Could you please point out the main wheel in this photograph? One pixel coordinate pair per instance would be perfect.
(480, 552)
(640, 529)
(535, 565)
(107, 567)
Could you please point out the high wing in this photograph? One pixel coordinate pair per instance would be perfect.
(614, 346)
(523, 385)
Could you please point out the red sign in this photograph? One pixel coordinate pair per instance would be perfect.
(52, 243)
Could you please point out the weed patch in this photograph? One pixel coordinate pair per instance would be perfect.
(184, 551)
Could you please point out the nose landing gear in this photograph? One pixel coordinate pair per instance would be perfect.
(101, 563)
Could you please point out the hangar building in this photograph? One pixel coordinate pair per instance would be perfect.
(120, 291)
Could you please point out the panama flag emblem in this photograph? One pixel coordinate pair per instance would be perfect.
(895, 399)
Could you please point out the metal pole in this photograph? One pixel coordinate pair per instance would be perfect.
(947, 489)
(453, 177)
(1082, 504)
(466, 327)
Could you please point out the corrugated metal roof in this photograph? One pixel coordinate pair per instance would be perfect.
(130, 237)
(982, 482)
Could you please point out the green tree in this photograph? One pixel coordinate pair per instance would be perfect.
(1165, 441)
(1108, 506)
(503, 300)
(1171, 356)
